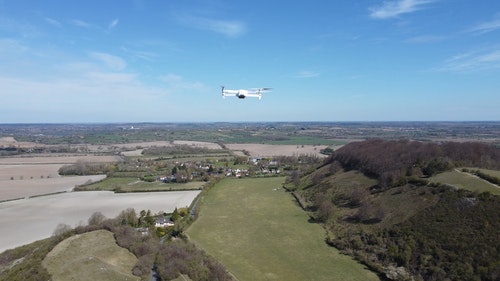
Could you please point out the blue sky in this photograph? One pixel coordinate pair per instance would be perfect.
(164, 61)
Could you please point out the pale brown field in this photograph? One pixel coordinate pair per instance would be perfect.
(28, 220)
(267, 150)
(140, 146)
(15, 172)
(255, 150)
(57, 159)
(10, 141)
(42, 166)
(22, 177)
(15, 189)
(26, 176)
(33, 218)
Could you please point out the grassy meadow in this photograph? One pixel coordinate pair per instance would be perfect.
(90, 256)
(466, 181)
(491, 172)
(257, 230)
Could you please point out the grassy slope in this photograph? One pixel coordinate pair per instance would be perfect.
(90, 256)
(405, 207)
(257, 231)
(393, 202)
(24, 263)
(466, 181)
(491, 172)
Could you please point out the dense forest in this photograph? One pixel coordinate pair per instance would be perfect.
(377, 204)
(392, 161)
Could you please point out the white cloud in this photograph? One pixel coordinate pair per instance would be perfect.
(172, 78)
(473, 61)
(486, 27)
(88, 25)
(394, 8)
(177, 82)
(10, 46)
(87, 97)
(425, 39)
(111, 61)
(306, 74)
(230, 28)
(149, 56)
(113, 24)
(52, 21)
(226, 27)
(81, 23)
(111, 78)
(18, 27)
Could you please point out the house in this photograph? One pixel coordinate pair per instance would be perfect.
(163, 222)
(167, 179)
(143, 231)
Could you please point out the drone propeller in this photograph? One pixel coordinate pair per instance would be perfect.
(261, 89)
(222, 90)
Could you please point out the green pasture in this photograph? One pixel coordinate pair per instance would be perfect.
(248, 135)
(286, 140)
(493, 173)
(465, 181)
(258, 232)
(136, 185)
(305, 140)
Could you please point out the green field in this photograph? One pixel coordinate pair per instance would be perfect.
(135, 185)
(493, 173)
(465, 181)
(256, 229)
(90, 256)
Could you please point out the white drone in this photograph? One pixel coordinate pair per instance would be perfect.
(242, 93)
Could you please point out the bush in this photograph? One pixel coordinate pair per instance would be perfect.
(149, 178)
(182, 257)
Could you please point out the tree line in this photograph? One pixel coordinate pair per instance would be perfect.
(392, 161)
(181, 149)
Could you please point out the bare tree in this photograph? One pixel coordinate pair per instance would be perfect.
(128, 217)
(96, 218)
(62, 230)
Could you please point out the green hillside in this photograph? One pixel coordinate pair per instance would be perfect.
(407, 211)
(79, 257)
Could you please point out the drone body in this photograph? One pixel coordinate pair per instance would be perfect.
(243, 93)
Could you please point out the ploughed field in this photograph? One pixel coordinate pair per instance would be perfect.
(22, 177)
(27, 220)
(35, 199)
